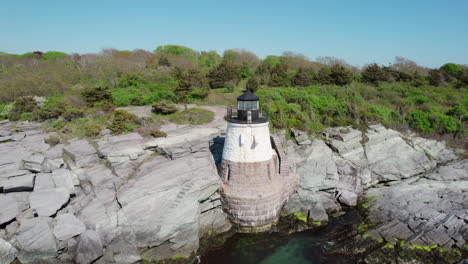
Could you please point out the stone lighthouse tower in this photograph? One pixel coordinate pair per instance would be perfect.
(254, 168)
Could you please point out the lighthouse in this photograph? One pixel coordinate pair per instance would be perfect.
(254, 168)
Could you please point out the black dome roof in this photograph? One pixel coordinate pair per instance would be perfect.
(248, 96)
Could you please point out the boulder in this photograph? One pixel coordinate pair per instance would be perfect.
(81, 153)
(87, 248)
(5, 133)
(161, 205)
(9, 208)
(44, 181)
(22, 183)
(7, 252)
(63, 178)
(55, 152)
(301, 137)
(457, 171)
(437, 150)
(390, 158)
(47, 202)
(347, 142)
(35, 240)
(6, 139)
(33, 163)
(50, 165)
(314, 164)
(67, 226)
(35, 141)
(179, 145)
(427, 212)
(121, 148)
(26, 126)
(100, 217)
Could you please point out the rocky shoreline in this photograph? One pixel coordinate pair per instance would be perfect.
(127, 199)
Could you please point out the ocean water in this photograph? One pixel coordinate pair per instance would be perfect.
(308, 247)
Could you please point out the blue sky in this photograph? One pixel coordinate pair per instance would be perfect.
(426, 31)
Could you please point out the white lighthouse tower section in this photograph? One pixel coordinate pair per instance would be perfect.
(247, 143)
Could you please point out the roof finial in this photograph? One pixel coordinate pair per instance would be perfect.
(247, 87)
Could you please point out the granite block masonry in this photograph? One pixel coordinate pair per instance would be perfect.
(254, 169)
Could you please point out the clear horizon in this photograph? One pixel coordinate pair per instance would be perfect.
(430, 33)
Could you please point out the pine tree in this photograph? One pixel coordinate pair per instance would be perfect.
(304, 77)
(279, 78)
(340, 75)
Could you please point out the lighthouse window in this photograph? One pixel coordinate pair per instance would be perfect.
(247, 105)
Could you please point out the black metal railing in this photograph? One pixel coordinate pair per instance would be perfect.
(233, 115)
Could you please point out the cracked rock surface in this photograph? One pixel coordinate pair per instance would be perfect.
(119, 199)
(418, 187)
(111, 200)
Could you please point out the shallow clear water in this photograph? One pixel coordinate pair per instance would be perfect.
(275, 248)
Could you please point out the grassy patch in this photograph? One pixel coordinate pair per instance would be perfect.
(194, 116)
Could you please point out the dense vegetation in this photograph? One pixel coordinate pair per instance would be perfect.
(297, 92)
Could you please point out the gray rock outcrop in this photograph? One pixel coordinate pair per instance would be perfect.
(7, 252)
(47, 202)
(119, 199)
(67, 226)
(87, 248)
(418, 189)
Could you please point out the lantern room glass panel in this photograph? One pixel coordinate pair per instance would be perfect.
(247, 105)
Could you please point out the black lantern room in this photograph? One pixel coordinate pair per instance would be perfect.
(248, 109)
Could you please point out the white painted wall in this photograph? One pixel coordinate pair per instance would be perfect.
(247, 143)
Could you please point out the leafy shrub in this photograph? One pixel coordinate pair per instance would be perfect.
(157, 133)
(52, 55)
(419, 120)
(384, 114)
(49, 111)
(52, 140)
(72, 113)
(245, 71)
(4, 110)
(443, 123)
(22, 105)
(95, 95)
(164, 107)
(92, 129)
(123, 121)
(131, 79)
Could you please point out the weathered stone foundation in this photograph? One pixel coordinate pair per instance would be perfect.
(253, 193)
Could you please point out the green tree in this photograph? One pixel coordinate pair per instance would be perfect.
(373, 74)
(222, 74)
(340, 75)
(451, 68)
(188, 81)
(323, 76)
(245, 72)
(279, 76)
(209, 59)
(52, 55)
(436, 77)
(304, 77)
(253, 83)
(177, 50)
(98, 94)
